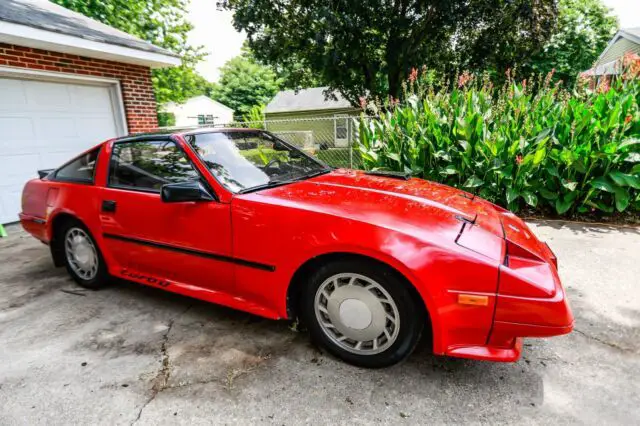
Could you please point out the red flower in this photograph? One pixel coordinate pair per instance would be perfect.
(414, 75)
(627, 119)
(464, 79)
(519, 159)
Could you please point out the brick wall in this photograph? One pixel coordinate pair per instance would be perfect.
(135, 80)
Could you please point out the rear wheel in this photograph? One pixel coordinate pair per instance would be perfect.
(362, 313)
(82, 257)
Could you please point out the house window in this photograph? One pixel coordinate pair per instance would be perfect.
(341, 130)
(205, 119)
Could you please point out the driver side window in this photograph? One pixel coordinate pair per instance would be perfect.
(147, 165)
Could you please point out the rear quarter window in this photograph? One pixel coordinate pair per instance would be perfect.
(82, 169)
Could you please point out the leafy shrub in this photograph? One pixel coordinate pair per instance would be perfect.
(522, 144)
(263, 155)
(166, 119)
(255, 118)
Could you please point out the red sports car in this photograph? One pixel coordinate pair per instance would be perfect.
(369, 261)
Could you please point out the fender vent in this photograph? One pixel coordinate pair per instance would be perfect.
(389, 174)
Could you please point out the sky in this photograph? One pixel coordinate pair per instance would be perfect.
(214, 30)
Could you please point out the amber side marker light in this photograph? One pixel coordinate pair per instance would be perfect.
(473, 299)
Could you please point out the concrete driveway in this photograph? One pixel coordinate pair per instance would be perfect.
(130, 354)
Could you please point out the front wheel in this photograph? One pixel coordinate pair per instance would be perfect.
(363, 313)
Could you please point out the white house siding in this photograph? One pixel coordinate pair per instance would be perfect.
(618, 49)
(186, 114)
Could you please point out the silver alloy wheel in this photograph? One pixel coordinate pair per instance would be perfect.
(81, 253)
(357, 313)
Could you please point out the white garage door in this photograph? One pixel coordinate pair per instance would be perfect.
(44, 124)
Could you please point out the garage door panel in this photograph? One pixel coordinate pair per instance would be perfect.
(91, 99)
(45, 124)
(53, 128)
(12, 94)
(47, 96)
(15, 167)
(11, 201)
(100, 127)
(53, 160)
(16, 128)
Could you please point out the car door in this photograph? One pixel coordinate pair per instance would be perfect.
(185, 242)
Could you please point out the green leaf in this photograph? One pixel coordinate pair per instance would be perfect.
(530, 198)
(628, 142)
(600, 206)
(624, 179)
(394, 156)
(571, 186)
(449, 170)
(622, 198)
(542, 135)
(443, 155)
(539, 156)
(578, 165)
(549, 195)
(602, 184)
(563, 205)
(464, 144)
(473, 182)
(553, 170)
(512, 194)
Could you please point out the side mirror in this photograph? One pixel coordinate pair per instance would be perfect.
(185, 191)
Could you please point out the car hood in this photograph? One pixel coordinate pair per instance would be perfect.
(413, 205)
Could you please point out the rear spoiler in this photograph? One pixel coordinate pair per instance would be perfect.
(44, 173)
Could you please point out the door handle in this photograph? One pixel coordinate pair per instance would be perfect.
(109, 206)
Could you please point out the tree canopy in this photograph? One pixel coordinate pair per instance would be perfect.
(584, 29)
(245, 83)
(369, 47)
(161, 22)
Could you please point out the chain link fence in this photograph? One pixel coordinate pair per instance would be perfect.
(333, 140)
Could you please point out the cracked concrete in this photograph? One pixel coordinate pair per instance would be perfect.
(135, 355)
(162, 378)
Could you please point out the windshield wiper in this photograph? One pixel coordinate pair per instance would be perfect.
(314, 174)
(270, 184)
(274, 183)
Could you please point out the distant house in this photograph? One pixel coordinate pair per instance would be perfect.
(625, 42)
(310, 118)
(199, 111)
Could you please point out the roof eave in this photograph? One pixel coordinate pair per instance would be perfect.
(290, 111)
(36, 38)
(618, 35)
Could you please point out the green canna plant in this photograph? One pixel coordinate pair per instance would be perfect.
(528, 143)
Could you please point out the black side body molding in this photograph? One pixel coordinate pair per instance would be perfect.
(204, 254)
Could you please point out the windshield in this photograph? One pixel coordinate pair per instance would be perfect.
(246, 160)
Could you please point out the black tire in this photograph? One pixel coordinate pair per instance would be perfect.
(411, 312)
(101, 278)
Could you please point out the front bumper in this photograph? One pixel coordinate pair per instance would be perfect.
(544, 315)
